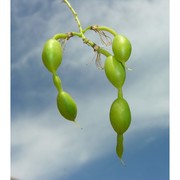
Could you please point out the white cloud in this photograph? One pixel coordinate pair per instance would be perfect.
(49, 144)
(47, 141)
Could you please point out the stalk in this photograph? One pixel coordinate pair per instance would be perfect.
(76, 19)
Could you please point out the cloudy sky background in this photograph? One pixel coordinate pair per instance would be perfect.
(46, 146)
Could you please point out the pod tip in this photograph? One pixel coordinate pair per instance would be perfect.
(78, 125)
(122, 162)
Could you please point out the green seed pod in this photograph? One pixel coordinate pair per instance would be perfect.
(121, 47)
(115, 71)
(119, 146)
(52, 55)
(67, 106)
(120, 115)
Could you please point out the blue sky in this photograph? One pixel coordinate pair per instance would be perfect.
(46, 146)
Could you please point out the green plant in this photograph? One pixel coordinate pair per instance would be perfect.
(115, 70)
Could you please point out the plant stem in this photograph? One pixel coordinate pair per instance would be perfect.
(82, 31)
(76, 18)
(86, 41)
(97, 28)
(60, 36)
(57, 82)
(120, 93)
(86, 29)
(104, 52)
(105, 28)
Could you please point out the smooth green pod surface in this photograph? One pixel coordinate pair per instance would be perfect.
(52, 55)
(67, 106)
(115, 71)
(119, 146)
(120, 115)
(121, 47)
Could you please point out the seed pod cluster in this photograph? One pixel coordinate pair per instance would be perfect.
(120, 114)
(115, 70)
(52, 58)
